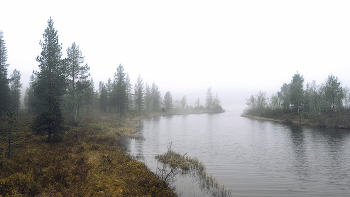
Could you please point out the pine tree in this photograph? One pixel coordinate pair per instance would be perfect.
(4, 84)
(15, 90)
(148, 97)
(89, 96)
(75, 71)
(109, 91)
(119, 90)
(50, 86)
(155, 97)
(139, 93)
(29, 97)
(128, 92)
(103, 100)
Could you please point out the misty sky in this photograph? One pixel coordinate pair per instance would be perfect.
(237, 47)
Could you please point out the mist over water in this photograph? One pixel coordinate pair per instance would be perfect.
(251, 157)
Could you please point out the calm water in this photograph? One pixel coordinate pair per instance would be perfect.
(251, 157)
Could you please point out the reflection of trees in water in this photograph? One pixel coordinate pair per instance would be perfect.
(333, 152)
(320, 151)
(299, 148)
(174, 164)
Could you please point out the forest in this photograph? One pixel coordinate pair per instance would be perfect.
(326, 105)
(64, 140)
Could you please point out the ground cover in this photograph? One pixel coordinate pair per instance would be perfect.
(88, 162)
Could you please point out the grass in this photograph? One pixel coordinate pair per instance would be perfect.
(88, 162)
(184, 164)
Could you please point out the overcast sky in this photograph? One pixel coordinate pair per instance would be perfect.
(237, 47)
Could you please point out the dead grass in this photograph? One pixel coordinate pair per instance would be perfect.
(87, 162)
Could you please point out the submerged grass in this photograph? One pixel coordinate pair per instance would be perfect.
(184, 164)
(87, 162)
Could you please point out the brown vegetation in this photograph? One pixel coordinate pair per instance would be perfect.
(88, 162)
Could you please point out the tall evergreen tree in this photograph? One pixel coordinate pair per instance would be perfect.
(109, 91)
(29, 97)
(89, 95)
(119, 91)
(148, 97)
(156, 98)
(128, 92)
(15, 90)
(75, 71)
(103, 97)
(139, 93)
(50, 86)
(4, 84)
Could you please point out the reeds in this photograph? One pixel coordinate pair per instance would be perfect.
(182, 163)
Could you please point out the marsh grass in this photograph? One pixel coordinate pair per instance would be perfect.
(87, 162)
(175, 163)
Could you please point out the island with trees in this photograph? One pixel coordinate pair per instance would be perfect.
(65, 142)
(326, 105)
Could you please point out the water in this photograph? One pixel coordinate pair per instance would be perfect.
(251, 157)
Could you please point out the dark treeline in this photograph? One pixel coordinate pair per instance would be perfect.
(327, 104)
(62, 91)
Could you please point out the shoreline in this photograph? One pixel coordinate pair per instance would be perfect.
(294, 121)
(89, 160)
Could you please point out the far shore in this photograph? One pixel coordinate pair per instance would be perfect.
(293, 121)
(181, 112)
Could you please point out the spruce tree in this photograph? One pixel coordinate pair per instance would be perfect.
(103, 100)
(29, 97)
(119, 90)
(148, 97)
(156, 98)
(128, 92)
(15, 90)
(139, 93)
(109, 91)
(50, 85)
(4, 84)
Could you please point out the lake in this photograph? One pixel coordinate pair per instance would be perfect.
(250, 157)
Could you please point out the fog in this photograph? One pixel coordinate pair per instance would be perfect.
(235, 47)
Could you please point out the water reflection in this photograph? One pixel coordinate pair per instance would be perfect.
(300, 161)
(252, 157)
